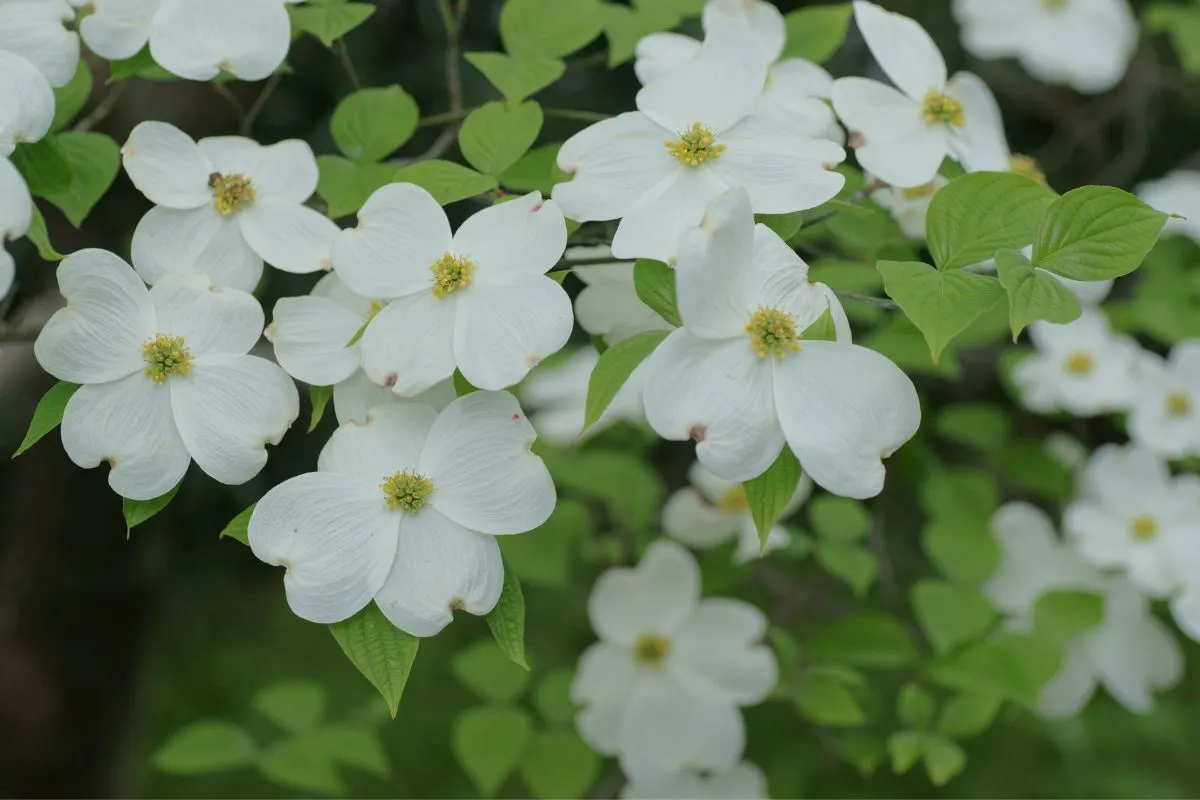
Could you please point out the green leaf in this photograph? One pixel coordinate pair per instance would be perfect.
(655, 285)
(914, 706)
(383, 653)
(446, 181)
(536, 171)
(972, 217)
(487, 671)
(979, 425)
(968, 714)
(44, 165)
(1033, 294)
(206, 746)
(863, 751)
(140, 65)
(867, 640)
(488, 741)
(48, 414)
(302, 763)
(40, 237)
(507, 620)
(969, 555)
(462, 386)
(625, 27)
(839, 518)
(346, 185)
(69, 100)
(950, 615)
(823, 330)
(940, 304)
(1028, 465)
(1064, 614)
(1096, 232)
(517, 77)
(318, 398)
(295, 706)
(1182, 24)
(371, 124)
(785, 226)
(817, 32)
(824, 700)
(1013, 665)
(95, 160)
(329, 21)
(850, 562)
(239, 527)
(549, 28)
(559, 764)
(631, 489)
(770, 493)
(904, 747)
(613, 369)
(962, 495)
(495, 136)
(138, 511)
(353, 747)
(943, 759)
(552, 697)
(543, 556)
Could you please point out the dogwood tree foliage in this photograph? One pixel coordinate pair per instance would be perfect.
(777, 270)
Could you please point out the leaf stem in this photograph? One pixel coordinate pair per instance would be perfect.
(260, 103)
(877, 302)
(452, 20)
(103, 108)
(570, 113)
(347, 63)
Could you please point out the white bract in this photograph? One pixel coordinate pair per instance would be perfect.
(248, 39)
(26, 103)
(1165, 415)
(1085, 44)
(166, 377)
(37, 31)
(1131, 513)
(404, 510)
(478, 299)
(224, 205)
(117, 29)
(1130, 652)
(904, 135)
(16, 214)
(739, 379)
(694, 135)
(557, 394)
(909, 206)
(713, 511)
(1176, 193)
(312, 336)
(1081, 367)
(609, 306)
(662, 687)
(742, 782)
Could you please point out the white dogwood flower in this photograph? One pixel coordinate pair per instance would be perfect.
(662, 687)
(478, 300)
(223, 205)
(1085, 44)
(1129, 512)
(1081, 367)
(26, 103)
(739, 379)
(404, 510)
(37, 30)
(16, 214)
(248, 39)
(909, 206)
(166, 377)
(743, 782)
(1165, 415)
(1176, 193)
(117, 29)
(1130, 652)
(609, 306)
(711, 512)
(903, 134)
(693, 136)
(557, 397)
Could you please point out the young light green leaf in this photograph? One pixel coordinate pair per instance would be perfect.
(817, 32)
(963, 495)
(352, 746)
(1013, 665)
(371, 124)
(972, 217)
(914, 706)
(44, 166)
(950, 615)
(904, 747)
(536, 171)
(968, 714)
(785, 226)
(517, 77)
(446, 181)
(295, 706)
(625, 26)
(329, 21)
(302, 763)
(95, 160)
(48, 414)
(1064, 614)
(826, 701)
(383, 653)
(549, 28)
(138, 511)
(318, 398)
(206, 746)
(552, 697)
(770, 493)
(943, 759)
(559, 764)
(1096, 232)
(867, 640)
(40, 237)
(139, 65)
(979, 425)
(1033, 294)
(507, 620)
(940, 304)
(488, 672)
(850, 562)
(495, 136)
(69, 100)
(488, 742)
(966, 554)
(613, 369)
(654, 282)
(839, 518)
(239, 527)
(345, 185)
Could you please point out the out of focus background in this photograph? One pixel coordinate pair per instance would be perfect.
(111, 641)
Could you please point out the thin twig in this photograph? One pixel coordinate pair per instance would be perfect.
(570, 263)
(260, 103)
(452, 22)
(439, 146)
(103, 108)
(570, 113)
(877, 302)
(444, 118)
(227, 94)
(347, 63)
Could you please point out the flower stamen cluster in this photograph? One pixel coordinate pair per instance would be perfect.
(772, 331)
(939, 107)
(451, 273)
(695, 146)
(166, 356)
(231, 193)
(651, 650)
(407, 491)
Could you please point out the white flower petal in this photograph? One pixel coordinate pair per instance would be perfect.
(609, 306)
(688, 518)
(1097, 535)
(247, 38)
(765, 21)
(409, 345)
(289, 237)
(118, 29)
(8, 273)
(513, 241)
(1120, 475)
(844, 409)
(127, 423)
(358, 394)
(603, 678)
(1176, 193)
(659, 53)
(1133, 652)
(26, 102)
(669, 726)
(165, 164)
(37, 31)
(228, 408)
(898, 144)
(285, 170)
(657, 596)
(720, 647)
(1185, 608)
(388, 441)
(652, 228)
(16, 204)
(310, 335)
(712, 291)
(195, 240)
(212, 321)
(99, 336)
(792, 98)
(782, 170)
(904, 50)
(984, 146)
(334, 288)
(335, 537)
(1069, 691)
(484, 476)
(441, 567)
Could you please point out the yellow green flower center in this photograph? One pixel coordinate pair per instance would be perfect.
(695, 146)
(1178, 404)
(772, 331)
(938, 107)
(376, 307)
(1144, 527)
(451, 273)
(917, 192)
(231, 193)
(1080, 364)
(650, 650)
(166, 356)
(1027, 166)
(734, 499)
(407, 491)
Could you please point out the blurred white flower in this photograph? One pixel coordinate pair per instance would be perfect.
(739, 380)
(694, 135)
(16, 214)
(1085, 44)
(1130, 652)
(1067, 450)
(662, 687)
(1176, 193)
(26, 103)
(743, 782)
(166, 377)
(1165, 415)
(1081, 367)
(478, 299)
(557, 398)
(910, 206)
(41, 32)
(223, 205)
(713, 511)
(903, 134)
(404, 509)
(609, 306)
(249, 39)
